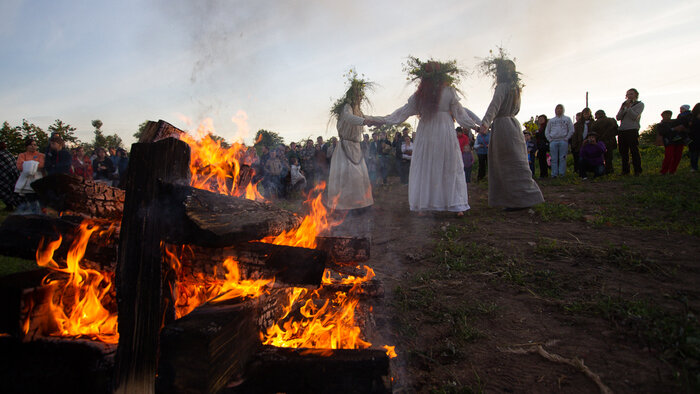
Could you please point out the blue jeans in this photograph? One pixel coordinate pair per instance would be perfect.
(558, 150)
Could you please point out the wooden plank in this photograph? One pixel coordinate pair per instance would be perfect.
(156, 131)
(64, 192)
(202, 351)
(276, 370)
(345, 249)
(142, 303)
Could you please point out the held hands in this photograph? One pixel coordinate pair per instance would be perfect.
(483, 129)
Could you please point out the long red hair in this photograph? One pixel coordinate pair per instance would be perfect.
(429, 89)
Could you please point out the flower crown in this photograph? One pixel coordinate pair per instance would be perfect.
(356, 91)
(432, 70)
(501, 63)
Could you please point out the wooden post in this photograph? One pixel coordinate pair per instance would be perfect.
(139, 277)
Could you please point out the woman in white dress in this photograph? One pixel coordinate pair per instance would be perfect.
(436, 179)
(510, 180)
(348, 182)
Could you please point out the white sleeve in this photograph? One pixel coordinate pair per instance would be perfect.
(400, 115)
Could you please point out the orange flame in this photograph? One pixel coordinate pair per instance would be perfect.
(311, 226)
(217, 167)
(324, 324)
(190, 293)
(76, 304)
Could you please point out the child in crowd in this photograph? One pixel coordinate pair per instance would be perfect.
(592, 156)
(468, 161)
(531, 149)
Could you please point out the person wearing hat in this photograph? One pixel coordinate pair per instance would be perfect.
(58, 160)
(592, 156)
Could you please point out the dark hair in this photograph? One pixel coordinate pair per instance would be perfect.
(696, 110)
(667, 112)
(634, 90)
(29, 141)
(601, 112)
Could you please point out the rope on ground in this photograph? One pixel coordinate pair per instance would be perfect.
(574, 362)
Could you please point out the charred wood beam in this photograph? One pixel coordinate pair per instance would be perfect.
(285, 370)
(370, 289)
(64, 192)
(142, 302)
(156, 131)
(215, 220)
(17, 291)
(345, 249)
(202, 351)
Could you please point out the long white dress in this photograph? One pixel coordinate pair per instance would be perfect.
(436, 180)
(348, 183)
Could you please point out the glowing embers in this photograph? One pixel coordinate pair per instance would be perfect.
(194, 289)
(320, 323)
(219, 168)
(80, 304)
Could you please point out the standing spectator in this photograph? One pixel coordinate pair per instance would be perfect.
(122, 166)
(482, 153)
(8, 178)
(694, 146)
(273, 172)
(592, 157)
(102, 167)
(308, 165)
(673, 143)
(297, 179)
(57, 160)
(606, 128)
(398, 154)
(581, 129)
(385, 152)
(629, 115)
(81, 164)
(113, 156)
(468, 162)
(364, 145)
(559, 130)
(406, 154)
(531, 149)
(373, 162)
(292, 153)
(30, 163)
(542, 145)
(321, 161)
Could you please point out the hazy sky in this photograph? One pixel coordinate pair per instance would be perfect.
(279, 65)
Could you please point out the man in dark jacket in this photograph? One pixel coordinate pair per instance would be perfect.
(606, 128)
(58, 160)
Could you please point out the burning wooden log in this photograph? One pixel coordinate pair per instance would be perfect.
(17, 291)
(205, 218)
(286, 370)
(20, 236)
(291, 266)
(345, 249)
(64, 192)
(203, 350)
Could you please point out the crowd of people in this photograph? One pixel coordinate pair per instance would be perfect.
(18, 173)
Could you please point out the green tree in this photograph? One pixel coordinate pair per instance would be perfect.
(100, 141)
(30, 130)
(392, 129)
(267, 138)
(113, 141)
(221, 140)
(12, 136)
(64, 130)
(648, 136)
(142, 129)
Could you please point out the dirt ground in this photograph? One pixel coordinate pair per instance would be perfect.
(468, 300)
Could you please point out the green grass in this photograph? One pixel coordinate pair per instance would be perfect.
(558, 212)
(673, 334)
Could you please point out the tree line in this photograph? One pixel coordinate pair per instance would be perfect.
(15, 136)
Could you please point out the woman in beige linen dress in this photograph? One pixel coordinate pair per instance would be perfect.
(510, 180)
(348, 182)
